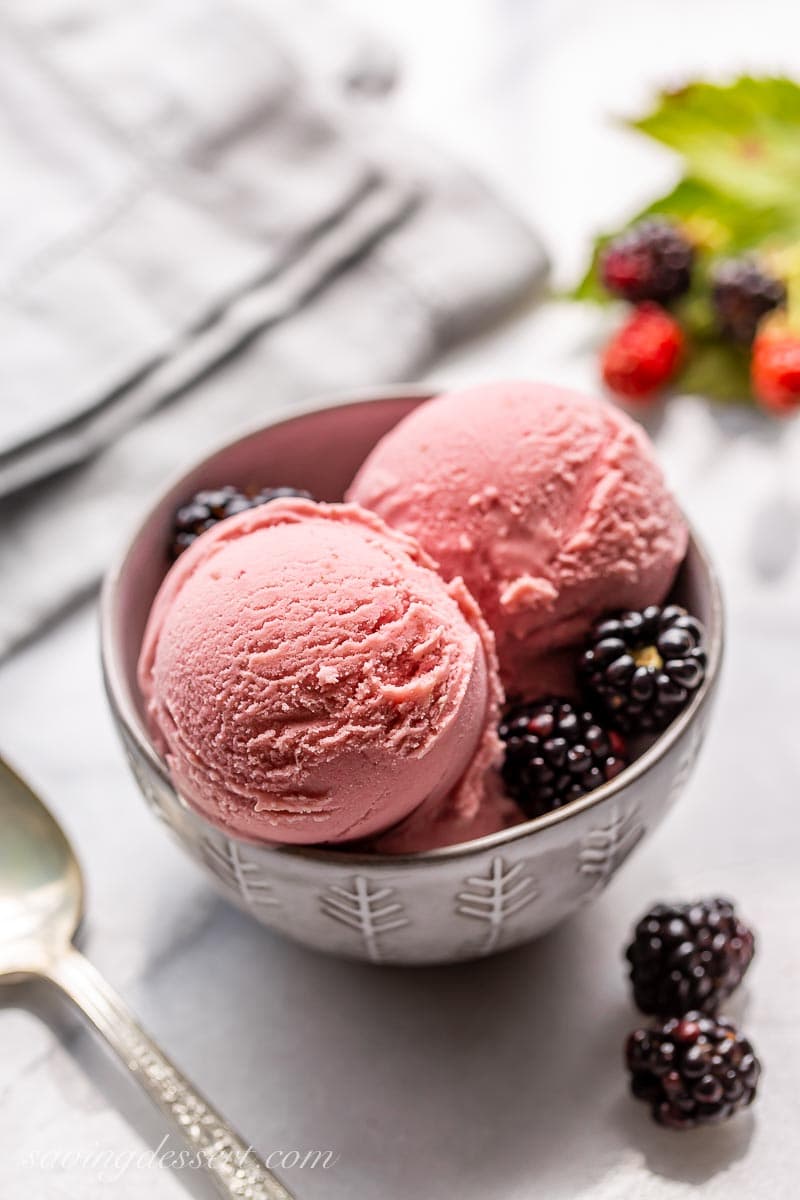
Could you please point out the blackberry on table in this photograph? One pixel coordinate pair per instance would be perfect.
(209, 507)
(555, 753)
(742, 294)
(688, 956)
(643, 667)
(692, 1070)
(651, 261)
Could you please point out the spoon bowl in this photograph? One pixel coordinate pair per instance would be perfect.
(41, 889)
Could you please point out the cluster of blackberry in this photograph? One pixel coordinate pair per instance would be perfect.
(651, 266)
(692, 1067)
(653, 261)
(637, 672)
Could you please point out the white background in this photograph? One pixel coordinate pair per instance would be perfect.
(500, 1079)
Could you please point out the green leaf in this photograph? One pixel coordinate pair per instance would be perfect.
(742, 139)
(741, 190)
(590, 289)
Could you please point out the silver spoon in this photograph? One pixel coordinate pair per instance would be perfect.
(41, 904)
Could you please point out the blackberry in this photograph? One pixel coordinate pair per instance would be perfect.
(742, 293)
(651, 261)
(208, 508)
(555, 753)
(688, 956)
(643, 667)
(692, 1070)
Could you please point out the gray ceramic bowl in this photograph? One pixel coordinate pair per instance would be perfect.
(440, 906)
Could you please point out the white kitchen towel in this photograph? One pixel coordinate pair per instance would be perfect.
(177, 186)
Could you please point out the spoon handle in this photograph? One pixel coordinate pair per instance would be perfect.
(236, 1169)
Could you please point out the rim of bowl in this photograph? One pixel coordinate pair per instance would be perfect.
(124, 708)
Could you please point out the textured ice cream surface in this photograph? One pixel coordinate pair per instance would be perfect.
(550, 505)
(309, 678)
(454, 820)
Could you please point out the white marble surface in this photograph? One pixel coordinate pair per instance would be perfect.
(500, 1079)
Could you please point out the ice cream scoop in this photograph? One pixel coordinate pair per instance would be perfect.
(309, 678)
(550, 505)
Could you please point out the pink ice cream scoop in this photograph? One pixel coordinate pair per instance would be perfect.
(309, 678)
(549, 504)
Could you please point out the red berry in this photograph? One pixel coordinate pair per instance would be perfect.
(644, 355)
(775, 370)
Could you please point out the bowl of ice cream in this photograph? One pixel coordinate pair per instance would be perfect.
(324, 742)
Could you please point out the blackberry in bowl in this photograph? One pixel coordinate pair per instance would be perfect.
(642, 668)
(208, 507)
(556, 752)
